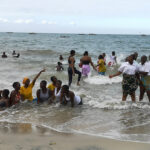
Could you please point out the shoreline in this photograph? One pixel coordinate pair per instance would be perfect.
(64, 141)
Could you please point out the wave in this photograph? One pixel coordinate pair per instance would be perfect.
(102, 80)
(118, 105)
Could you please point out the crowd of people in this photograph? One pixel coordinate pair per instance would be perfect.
(134, 74)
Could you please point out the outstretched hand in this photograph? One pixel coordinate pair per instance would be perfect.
(43, 70)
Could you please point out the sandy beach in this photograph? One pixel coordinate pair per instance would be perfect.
(60, 141)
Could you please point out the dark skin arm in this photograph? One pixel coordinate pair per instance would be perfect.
(34, 80)
(71, 95)
(117, 74)
(38, 96)
(92, 64)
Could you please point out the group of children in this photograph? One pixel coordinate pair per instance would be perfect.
(53, 93)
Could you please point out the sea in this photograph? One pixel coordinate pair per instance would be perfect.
(102, 114)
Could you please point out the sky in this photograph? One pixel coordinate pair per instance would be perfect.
(75, 16)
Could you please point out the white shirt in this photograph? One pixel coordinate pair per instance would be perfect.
(127, 68)
(145, 68)
(136, 64)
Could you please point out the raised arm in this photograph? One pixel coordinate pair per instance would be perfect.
(34, 80)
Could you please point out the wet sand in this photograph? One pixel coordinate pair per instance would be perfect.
(59, 141)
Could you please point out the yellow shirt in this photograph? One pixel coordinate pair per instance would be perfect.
(102, 67)
(27, 92)
(51, 87)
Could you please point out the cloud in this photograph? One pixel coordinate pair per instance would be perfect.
(3, 20)
(26, 21)
(48, 22)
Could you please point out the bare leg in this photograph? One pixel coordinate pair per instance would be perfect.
(142, 91)
(148, 94)
(133, 97)
(124, 97)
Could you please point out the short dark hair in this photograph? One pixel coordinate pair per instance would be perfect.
(5, 92)
(85, 53)
(52, 78)
(72, 52)
(66, 87)
(44, 82)
(59, 81)
(59, 63)
(113, 52)
(100, 57)
(15, 84)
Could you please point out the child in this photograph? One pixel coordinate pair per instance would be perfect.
(59, 67)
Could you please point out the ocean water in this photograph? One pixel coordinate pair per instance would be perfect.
(103, 113)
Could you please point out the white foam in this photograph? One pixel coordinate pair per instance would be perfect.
(102, 80)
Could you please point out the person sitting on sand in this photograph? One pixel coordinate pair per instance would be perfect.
(15, 95)
(53, 84)
(68, 96)
(84, 62)
(43, 94)
(4, 98)
(129, 83)
(101, 65)
(61, 58)
(26, 89)
(4, 55)
(59, 67)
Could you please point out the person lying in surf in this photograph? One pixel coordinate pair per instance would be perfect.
(68, 96)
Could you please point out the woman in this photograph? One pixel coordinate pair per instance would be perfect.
(101, 65)
(4, 99)
(129, 83)
(57, 91)
(144, 71)
(71, 69)
(69, 97)
(84, 62)
(43, 94)
(26, 90)
(15, 96)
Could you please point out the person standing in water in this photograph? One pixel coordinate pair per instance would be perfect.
(4, 99)
(26, 89)
(84, 62)
(129, 83)
(113, 59)
(101, 65)
(4, 55)
(144, 71)
(71, 69)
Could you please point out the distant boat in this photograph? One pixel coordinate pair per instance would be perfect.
(9, 32)
(143, 35)
(63, 36)
(32, 33)
(92, 34)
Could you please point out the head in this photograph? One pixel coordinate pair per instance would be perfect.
(58, 83)
(16, 86)
(143, 59)
(85, 53)
(65, 89)
(4, 53)
(130, 59)
(72, 52)
(104, 55)
(113, 53)
(53, 79)
(43, 84)
(5, 93)
(100, 57)
(59, 63)
(135, 56)
(26, 81)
